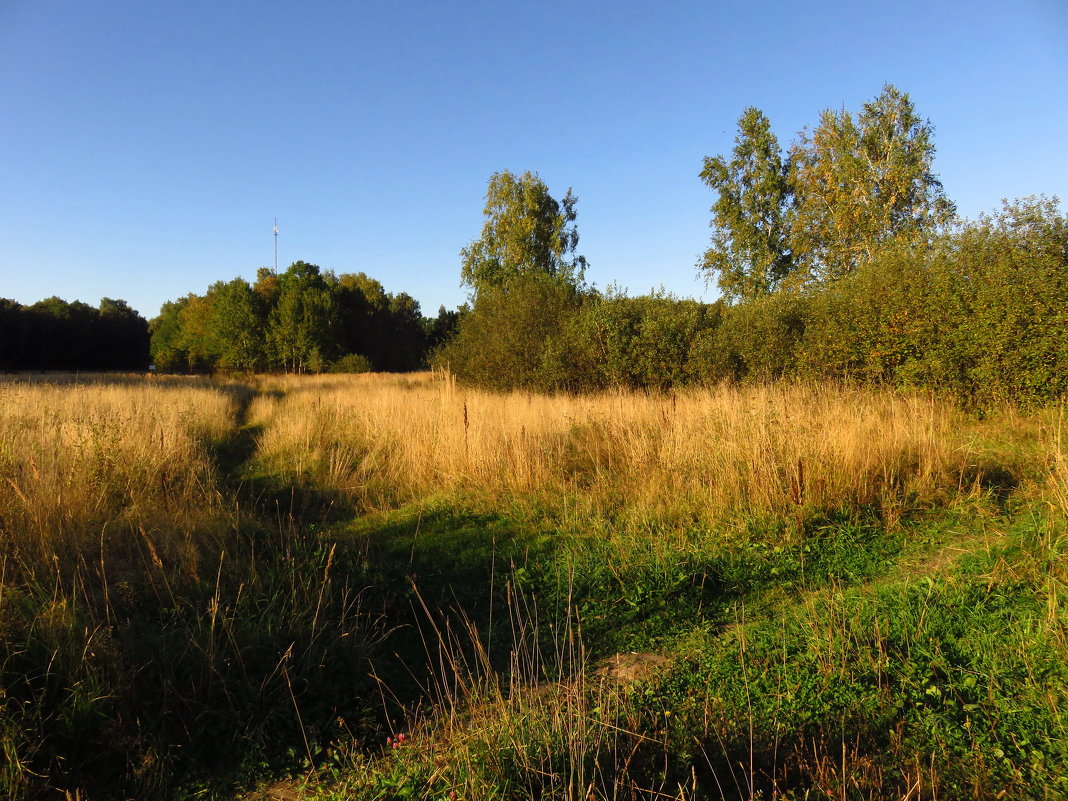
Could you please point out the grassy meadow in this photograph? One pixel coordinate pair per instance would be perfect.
(392, 586)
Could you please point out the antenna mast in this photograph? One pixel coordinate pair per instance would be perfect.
(276, 245)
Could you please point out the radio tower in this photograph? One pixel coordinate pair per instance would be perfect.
(276, 245)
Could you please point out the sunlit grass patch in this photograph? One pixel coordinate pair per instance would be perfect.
(209, 581)
(717, 453)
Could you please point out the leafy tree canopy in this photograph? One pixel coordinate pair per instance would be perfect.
(526, 232)
(850, 186)
(53, 334)
(860, 182)
(750, 251)
(302, 319)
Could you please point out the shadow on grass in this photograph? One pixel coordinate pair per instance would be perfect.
(310, 626)
(281, 500)
(442, 580)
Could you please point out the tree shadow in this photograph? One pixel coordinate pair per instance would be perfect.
(442, 581)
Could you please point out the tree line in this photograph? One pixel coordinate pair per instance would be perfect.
(53, 334)
(301, 320)
(840, 259)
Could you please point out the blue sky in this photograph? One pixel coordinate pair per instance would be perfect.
(146, 148)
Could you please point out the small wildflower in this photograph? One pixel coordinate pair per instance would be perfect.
(396, 744)
(401, 738)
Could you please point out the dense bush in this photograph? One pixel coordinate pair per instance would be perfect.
(758, 341)
(352, 363)
(979, 314)
(618, 341)
(539, 333)
(505, 342)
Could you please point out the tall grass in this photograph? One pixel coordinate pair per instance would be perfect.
(160, 618)
(513, 735)
(850, 689)
(720, 452)
(80, 460)
(154, 629)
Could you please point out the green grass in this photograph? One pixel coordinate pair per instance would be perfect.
(800, 652)
(853, 663)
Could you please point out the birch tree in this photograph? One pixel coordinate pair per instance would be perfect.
(859, 182)
(750, 252)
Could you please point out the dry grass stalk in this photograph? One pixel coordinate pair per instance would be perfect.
(722, 450)
(80, 459)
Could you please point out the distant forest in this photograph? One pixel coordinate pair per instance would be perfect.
(839, 258)
(56, 335)
(301, 320)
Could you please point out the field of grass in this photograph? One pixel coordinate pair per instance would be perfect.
(376, 587)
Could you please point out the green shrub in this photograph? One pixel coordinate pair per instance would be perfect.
(352, 363)
(638, 343)
(757, 341)
(501, 343)
(979, 314)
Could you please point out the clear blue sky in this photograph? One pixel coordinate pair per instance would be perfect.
(147, 147)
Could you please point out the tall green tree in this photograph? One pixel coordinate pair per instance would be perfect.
(63, 334)
(363, 305)
(859, 182)
(169, 351)
(303, 325)
(405, 340)
(526, 232)
(439, 330)
(237, 326)
(266, 287)
(750, 251)
(194, 342)
(122, 339)
(13, 331)
(386, 328)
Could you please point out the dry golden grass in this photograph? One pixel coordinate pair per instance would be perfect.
(1058, 449)
(80, 455)
(124, 467)
(715, 452)
(81, 458)
(76, 455)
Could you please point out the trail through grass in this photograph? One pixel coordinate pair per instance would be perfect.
(794, 592)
